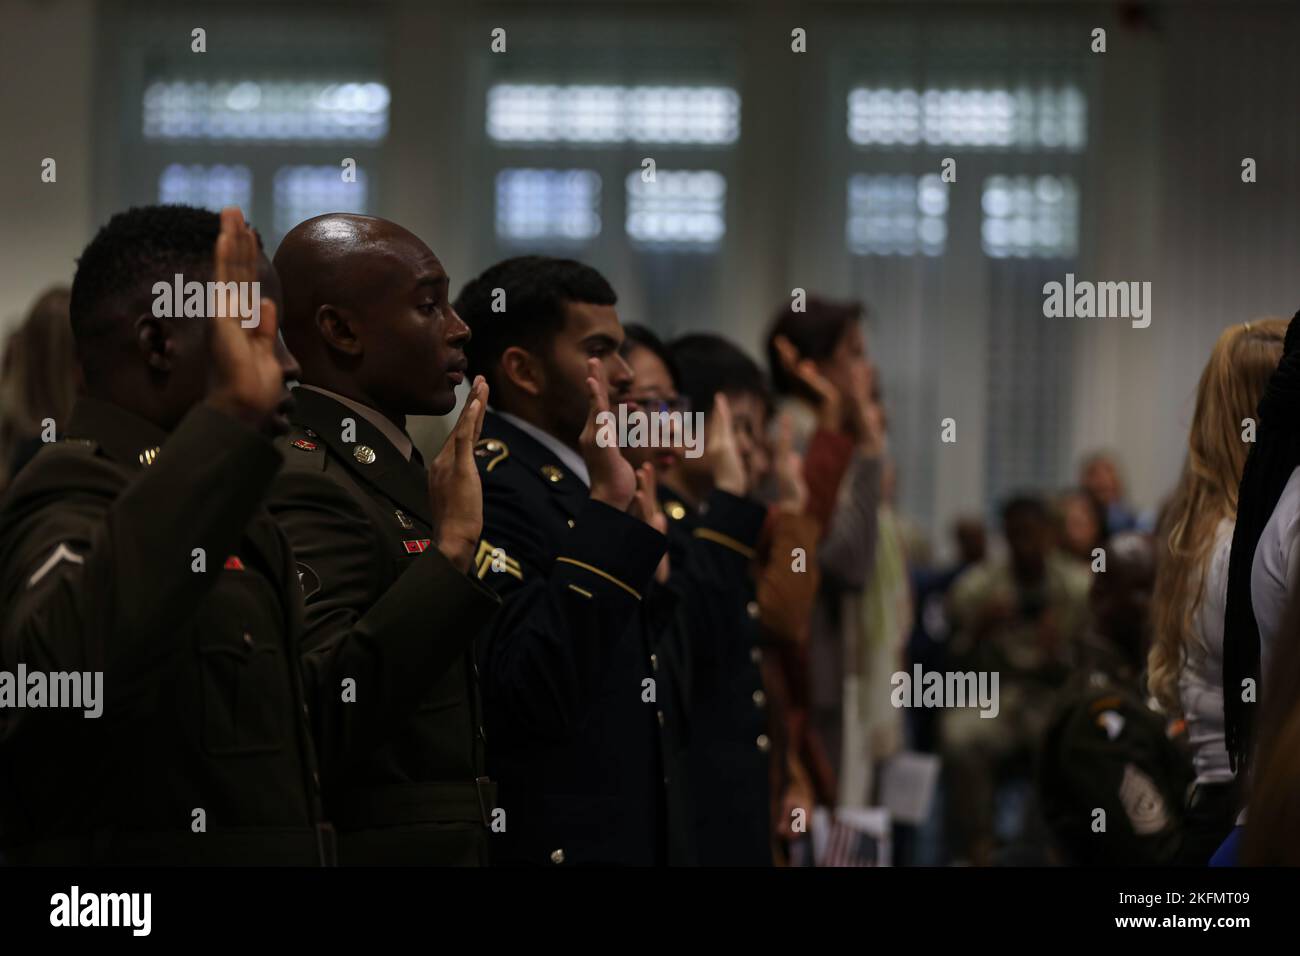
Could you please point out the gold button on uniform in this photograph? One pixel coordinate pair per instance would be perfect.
(764, 745)
(755, 655)
(654, 661)
(552, 474)
(364, 454)
(752, 610)
(760, 699)
(557, 856)
(492, 448)
(661, 717)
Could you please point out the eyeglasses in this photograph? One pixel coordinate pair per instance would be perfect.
(656, 406)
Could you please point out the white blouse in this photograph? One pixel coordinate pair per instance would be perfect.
(1200, 682)
(1274, 568)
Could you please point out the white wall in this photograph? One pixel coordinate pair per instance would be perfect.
(47, 57)
(1177, 106)
(1182, 110)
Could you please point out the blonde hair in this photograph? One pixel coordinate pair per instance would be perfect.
(1229, 391)
(38, 374)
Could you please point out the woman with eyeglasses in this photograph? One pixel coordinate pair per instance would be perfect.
(737, 598)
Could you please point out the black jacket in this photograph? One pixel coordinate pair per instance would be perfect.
(357, 515)
(569, 689)
(726, 763)
(149, 557)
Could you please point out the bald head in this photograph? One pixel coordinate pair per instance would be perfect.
(335, 259)
(367, 316)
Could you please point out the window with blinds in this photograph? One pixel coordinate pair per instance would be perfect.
(267, 125)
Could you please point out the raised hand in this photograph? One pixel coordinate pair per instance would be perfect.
(645, 505)
(246, 379)
(864, 411)
(722, 452)
(791, 489)
(830, 404)
(455, 493)
(612, 479)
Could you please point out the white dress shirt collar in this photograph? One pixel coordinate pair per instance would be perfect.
(571, 458)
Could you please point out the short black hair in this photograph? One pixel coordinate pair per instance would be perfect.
(815, 332)
(132, 251)
(639, 337)
(709, 364)
(536, 290)
(1027, 505)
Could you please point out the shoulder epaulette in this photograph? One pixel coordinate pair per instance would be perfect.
(491, 451)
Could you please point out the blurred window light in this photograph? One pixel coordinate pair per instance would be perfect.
(1030, 216)
(302, 192)
(208, 187)
(561, 204)
(1046, 118)
(603, 114)
(266, 111)
(897, 215)
(681, 209)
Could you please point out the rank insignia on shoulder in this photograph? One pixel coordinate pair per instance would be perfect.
(364, 454)
(307, 580)
(552, 474)
(303, 444)
(58, 556)
(675, 510)
(406, 523)
(492, 558)
(233, 563)
(417, 547)
(493, 448)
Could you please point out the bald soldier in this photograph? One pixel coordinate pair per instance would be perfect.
(366, 313)
(138, 548)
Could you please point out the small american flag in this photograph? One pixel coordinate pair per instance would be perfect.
(852, 837)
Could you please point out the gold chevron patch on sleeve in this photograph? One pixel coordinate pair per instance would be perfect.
(492, 558)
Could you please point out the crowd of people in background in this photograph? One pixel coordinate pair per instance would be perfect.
(1131, 650)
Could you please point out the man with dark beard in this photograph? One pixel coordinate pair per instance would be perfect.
(571, 680)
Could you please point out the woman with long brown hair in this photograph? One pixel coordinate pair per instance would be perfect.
(1186, 659)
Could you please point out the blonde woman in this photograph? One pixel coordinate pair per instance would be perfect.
(38, 380)
(1186, 659)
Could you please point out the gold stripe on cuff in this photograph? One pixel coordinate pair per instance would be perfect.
(708, 534)
(604, 574)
